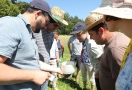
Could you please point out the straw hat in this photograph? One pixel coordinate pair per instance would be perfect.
(117, 8)
(58, 15)
(92, 20)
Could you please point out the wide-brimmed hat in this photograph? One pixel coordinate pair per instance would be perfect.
(116, 8)
(42, 5)
(79, 27)
(58, 15)
(92, 20)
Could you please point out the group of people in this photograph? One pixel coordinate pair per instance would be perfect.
(30, 51)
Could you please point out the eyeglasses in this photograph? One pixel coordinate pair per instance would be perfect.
(47, 17)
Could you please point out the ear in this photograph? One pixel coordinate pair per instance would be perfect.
(101, 31)
(38, 13)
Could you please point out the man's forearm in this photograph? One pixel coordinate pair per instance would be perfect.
(10, 75)
(47, 67)
(57, 54)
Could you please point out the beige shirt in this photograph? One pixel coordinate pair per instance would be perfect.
(111, 60)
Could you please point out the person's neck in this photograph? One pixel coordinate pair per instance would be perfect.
(108, 36)
(124, 26)
(29, 18)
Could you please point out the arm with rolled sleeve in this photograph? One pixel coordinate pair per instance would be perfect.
(9, 40)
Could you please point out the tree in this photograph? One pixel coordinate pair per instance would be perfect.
(65, 30)
(8, 9)
(22, 6)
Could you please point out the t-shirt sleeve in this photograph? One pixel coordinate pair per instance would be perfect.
(70, 40)
(9, 39)
(116, 55)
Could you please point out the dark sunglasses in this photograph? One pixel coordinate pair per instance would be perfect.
(56, 25)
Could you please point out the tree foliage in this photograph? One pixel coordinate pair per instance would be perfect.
(21, 6)
(8, 9)
(65, 30)
(13, 9)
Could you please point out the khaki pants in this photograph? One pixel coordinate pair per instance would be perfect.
(84, 69)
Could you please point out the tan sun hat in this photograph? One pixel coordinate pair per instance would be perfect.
(58, 15)
(92, 20)
(117, 8)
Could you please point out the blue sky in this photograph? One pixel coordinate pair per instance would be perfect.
(80, 8)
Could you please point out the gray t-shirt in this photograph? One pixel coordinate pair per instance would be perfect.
(76, 45)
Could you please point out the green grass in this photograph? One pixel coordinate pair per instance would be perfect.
(63, 83)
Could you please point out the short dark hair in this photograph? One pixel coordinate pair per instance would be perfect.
(96, 28)
(110, 18)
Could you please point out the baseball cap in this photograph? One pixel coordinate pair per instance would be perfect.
(42, 5)
(80, 26)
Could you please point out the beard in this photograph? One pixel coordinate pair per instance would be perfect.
(38, 26)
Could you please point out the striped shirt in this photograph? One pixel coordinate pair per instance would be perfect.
(44, 41)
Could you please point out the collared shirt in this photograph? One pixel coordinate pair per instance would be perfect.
(18, 45)
(85, 57)
(44, 41)
(94, 51)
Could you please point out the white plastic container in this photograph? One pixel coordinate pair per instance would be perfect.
(68, 67)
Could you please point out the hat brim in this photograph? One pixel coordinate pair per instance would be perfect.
(64, 22)
(75, 32)
(52, 20)
(123, 12)
(92, 25)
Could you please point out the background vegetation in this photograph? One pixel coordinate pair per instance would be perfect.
(9, 9)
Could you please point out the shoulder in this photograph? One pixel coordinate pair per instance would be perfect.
(11, 25)
(119, 41)
(14, 23)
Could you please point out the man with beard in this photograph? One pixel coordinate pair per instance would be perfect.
(19, 59)
(44, 40)
(113, 50)
(118, 17)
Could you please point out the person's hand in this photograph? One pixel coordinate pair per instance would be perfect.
(92, 69)
(60, 71)
(40, 77)
(57, 60)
